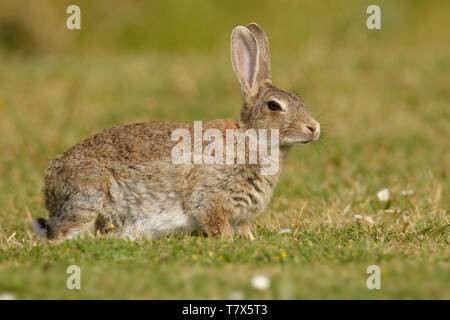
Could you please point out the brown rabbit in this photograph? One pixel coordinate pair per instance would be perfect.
(124, 182)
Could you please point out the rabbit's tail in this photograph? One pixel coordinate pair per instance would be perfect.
(40, 226)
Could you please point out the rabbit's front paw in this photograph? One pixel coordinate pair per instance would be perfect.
(244, 229)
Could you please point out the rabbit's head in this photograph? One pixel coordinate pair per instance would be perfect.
(264, 105)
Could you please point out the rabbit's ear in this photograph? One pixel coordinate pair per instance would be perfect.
(244, 57)
(264, 72)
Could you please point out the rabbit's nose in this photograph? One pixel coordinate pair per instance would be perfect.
(314, 129)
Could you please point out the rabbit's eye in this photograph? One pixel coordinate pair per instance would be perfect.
(274, 106)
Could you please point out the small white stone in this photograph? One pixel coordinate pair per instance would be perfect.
(236, 295)
(7, 296)
(287, 230)
(260, 282)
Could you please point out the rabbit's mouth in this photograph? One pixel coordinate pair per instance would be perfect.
(302, 143)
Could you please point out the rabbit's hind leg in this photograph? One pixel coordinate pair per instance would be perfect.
(74, 196)
(74, 212)
(70, 226)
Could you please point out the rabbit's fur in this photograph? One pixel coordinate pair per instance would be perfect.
(122, 181)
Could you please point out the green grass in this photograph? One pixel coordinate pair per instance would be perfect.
(322, 262)
(382, 98)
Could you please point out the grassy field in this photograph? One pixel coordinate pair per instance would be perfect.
(383, 100)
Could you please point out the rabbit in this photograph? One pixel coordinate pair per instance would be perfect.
(122, 182)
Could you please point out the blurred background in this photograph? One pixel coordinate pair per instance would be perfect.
(382, 97)
(33, 27)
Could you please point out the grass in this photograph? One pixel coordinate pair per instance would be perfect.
(321, 262)
(382, 99)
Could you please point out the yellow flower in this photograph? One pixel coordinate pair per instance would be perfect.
(284, 255)
(111, 227)
(273, 247)
(194, 257)
(67, 249)
(277, 258)
(211, 254)
(221, 257)
(224, 245)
